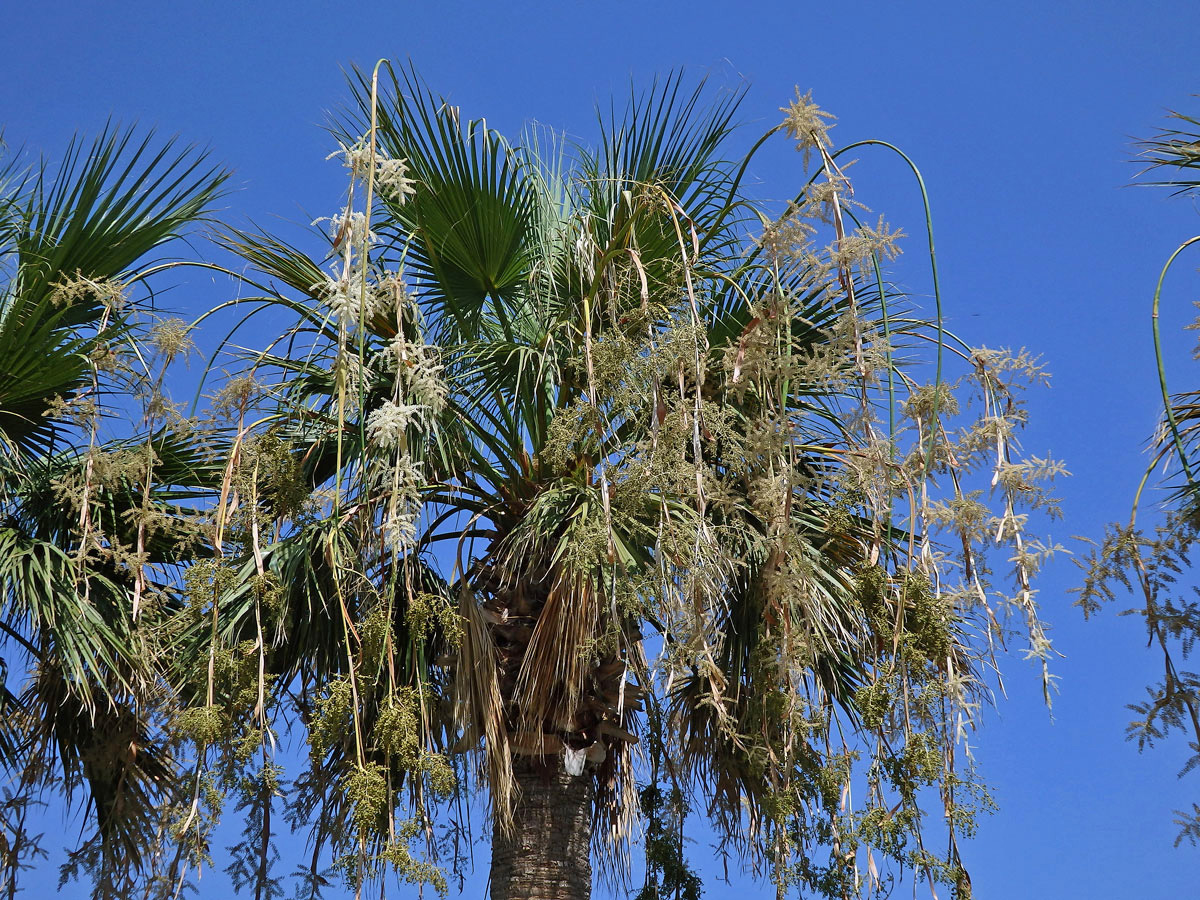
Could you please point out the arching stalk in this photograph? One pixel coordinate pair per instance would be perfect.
(937, 289)
(1162, 372)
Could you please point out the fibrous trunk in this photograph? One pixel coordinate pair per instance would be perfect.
(546, 854)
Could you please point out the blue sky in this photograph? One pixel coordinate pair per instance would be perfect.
(1022, 117)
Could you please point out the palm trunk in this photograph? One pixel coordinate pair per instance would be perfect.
(547, 855)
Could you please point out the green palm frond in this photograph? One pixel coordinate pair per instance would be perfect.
(466, 230)
(275, 258)
(79, 551)
(669, 138)
(104, 208)
(665, 153)
(1175, 148)
(84, 224)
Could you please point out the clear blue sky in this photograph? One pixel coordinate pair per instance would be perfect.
(1021, 115)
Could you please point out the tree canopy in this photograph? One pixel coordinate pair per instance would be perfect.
(577, 475)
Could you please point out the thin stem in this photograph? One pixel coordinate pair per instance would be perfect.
(937, 289)
(1162, 373)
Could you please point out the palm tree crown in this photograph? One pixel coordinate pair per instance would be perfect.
(569, 482)
(92, 516)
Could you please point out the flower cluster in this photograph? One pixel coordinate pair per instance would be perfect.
(356, 296)
(418, 372)
(349, 227)
(805, 122)
(419, 395)
(404, 508)
(388, 424)
(391, 175)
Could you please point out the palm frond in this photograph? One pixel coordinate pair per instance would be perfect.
(1176, 148)
(104, 208)
(466, 229)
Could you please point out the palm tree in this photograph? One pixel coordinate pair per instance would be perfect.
(90, 523)
(561, 466)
